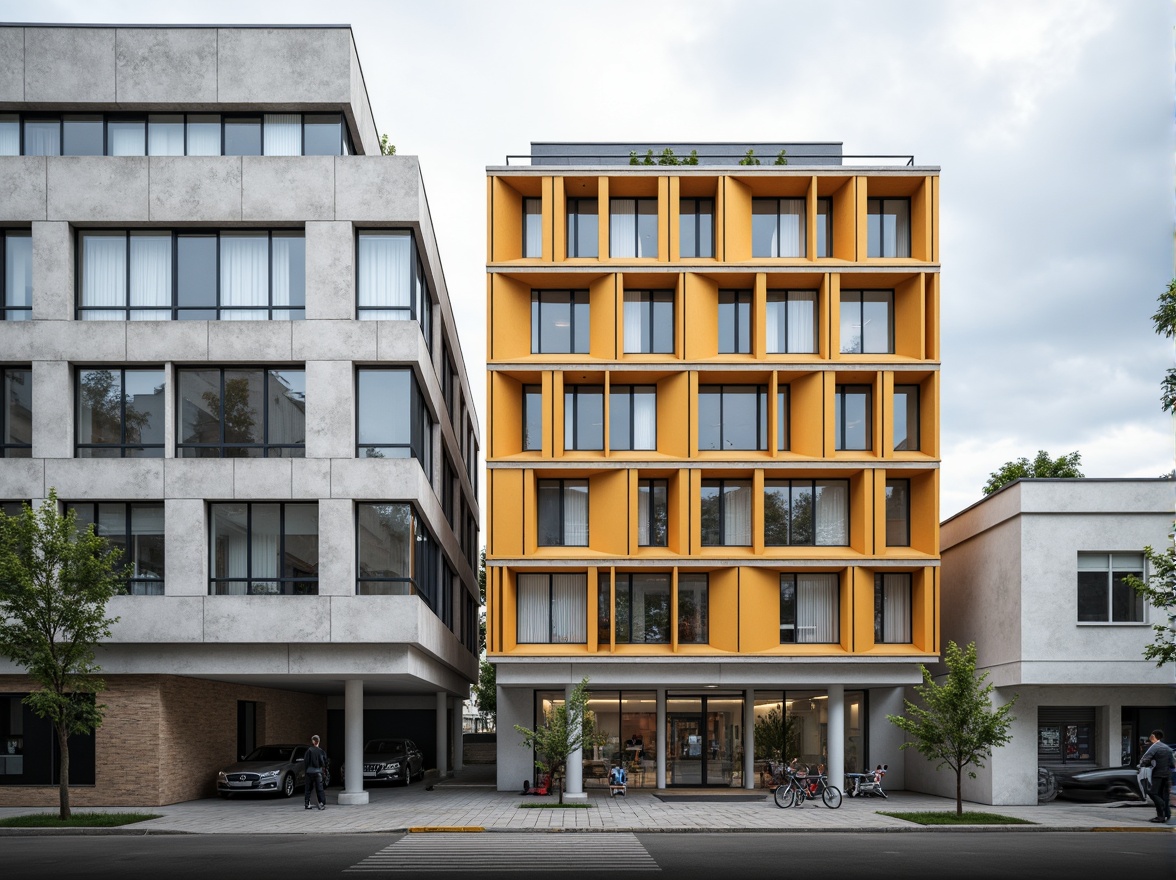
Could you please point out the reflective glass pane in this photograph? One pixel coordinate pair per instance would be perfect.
(165, 134)
(204, 134)
(712, 525)
(776, 513)
(549, 514)
(18, 408)
(243, 407)
(532, 417)
(906, 417)
(877, 333)
(100, 406)
(663, 323)
(287, 407)
(42, 137)
(282, 134)
(126, 137)
(82, 136)
(147, 537)
(322, 134)
(385, 540)
(647, 227)
(199, 401)
(1093, 596)
(242, 136)
(385, 402)
(18, 272)
(288, 272)
(800, 521)
(764, 240)
(710, 418)
(741, 423)
(196, 275)
(301, 555)
(9, 134)
(144, 396)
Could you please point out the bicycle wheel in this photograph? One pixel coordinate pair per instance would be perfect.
(785, 796)
(831, 796)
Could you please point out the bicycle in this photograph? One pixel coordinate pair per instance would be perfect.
(797, 786)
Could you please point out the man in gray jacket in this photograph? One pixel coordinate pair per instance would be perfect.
(1159, 757)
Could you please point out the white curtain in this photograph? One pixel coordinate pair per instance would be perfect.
(802, 312)
(385, 276)
(165, 136)
(644, 418)
(204, 136)
(532, 227)
(42, 139)
(283, 134)
(229, 529)
(534, 608)
(104, 277)
(576, 513)
(776, 328)
(737, 514)
(902, 231)
(644, 499)
(817, 608)
(244, 277)
(9, 135)
(635, 330)
(832, 514)
(126, 139)
(569, 608)
(792, 228)
(896, 608)
(280, 268)
(151, 272)
(18, 274)
(622, 233)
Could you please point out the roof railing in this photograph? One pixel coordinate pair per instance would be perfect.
(727, 160)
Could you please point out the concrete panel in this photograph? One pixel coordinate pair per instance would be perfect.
(18, 340)
(53, 410)
(97, 189)
(70, 65)
(330, 270)
(249, 341)
(335, 340)
(263, 478)
(297, 188)
(265, 66)
(311, 478)
(23, 479)
(166, 66)
(330, 409)
(82, 342)
(53, 272)
(402, 342)
(336, 553)
(375, 478)
(84, 479)
(195, 189)
(186, 530)
(264, 619)
(156, 619)
(210, 478)
(378, 188)
(180, 659)
(12, 61)
(22, 188)
(160, 341)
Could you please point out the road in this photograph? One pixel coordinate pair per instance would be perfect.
(935, 855)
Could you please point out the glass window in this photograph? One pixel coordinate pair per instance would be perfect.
(852, 417)
(563, 513)
(643, 608)
(9, 134)
(385, 537)
(824, 227)
(906, 418)
(898, 513)
(867, 325)
(632, 415)
(810, 609)
(649, 322)
(696, 228)
(892, 609)
(1104, 595)
(584, 417)
(792, 321)
(242, 135)
(322, 134)
(583, 228)
(165, 134)
(391, 282)
(653, 512)
(806, 512)
(552, 609)
(81, 135)
(559, 322)
(135, 530)
(782, 420)
(120, 413)
(29, 753)
(778, 228)
(264, 549)
(42, 137)
(632, 227)
(734, 321)
(888, 227)
(16, 412)
(240, 412)
(732, 417)
(282, 134)
(204, 135)
(196, 278)
(126, 137)
(726, 513)
(532, 417)
(16, 296)
(393, 419)
(533, 228)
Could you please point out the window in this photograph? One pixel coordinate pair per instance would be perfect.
(447, 489)
(810, 609)
(892, 609)
(450, 386)
(649, 322)
(81, 135)
(151, 275)
(552, 609)
(726, 513)
(559, 322)
(782, 420)
(391, 282)
(734, 321)
(16, 412)
(696, 224)
(393, 419)
(31, 755)
(395, 551)
(898, 513)
(563, 513)
(42, 137)
(16, 295)
(732, 417)
(241, 412)
(642, 608)
(824, 227)
(867, 325)
(264, 549)
(778, 228)
(792, 322)
(136, 531)
(532, 227)
(888, 227)
(852, 417)
(126, 137)
(1104, 596)
(583, 228)
(693, 610)
(532, 418)
(120, 413)
(906, 418)
(632, 417)
(653, 512)
(584, 417)
(632, 227)
(806, 512)
(9, 134)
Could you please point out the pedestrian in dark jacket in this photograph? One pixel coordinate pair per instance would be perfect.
(1159, 757)
(316, 767)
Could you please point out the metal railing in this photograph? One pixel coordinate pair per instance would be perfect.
(899, 159)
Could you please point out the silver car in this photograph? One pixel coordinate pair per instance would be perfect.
(392, 760)
(276, 769)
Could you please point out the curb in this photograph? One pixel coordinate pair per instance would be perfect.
(90, 832)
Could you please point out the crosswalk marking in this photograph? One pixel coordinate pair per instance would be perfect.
(517, 853)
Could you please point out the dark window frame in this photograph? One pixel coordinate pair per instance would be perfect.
(783, 296)
(697, 213)
(811, 485)
(420, 298)
(876, 205)
(627, 637)
(551, 611)
(128, 536)
(779, 236)
(916, 392)
(287, 586)
(630, 392)
(7, 449)
(1113, 576)
(572, 396)
(788, 610)
(123, 446)
(562, 530)
(647, 300)
(860, 304)
(891, 484)
(637, 214)
(575, 298)
(761, 417)
(880, 604)
(650, 485)
(839, 395)
(721, 485)
(8, 312)
(423, 546)
(420, 417)
(573, 228)
(266, 446)
(734, 299)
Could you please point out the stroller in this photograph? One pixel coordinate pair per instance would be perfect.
(870, 784)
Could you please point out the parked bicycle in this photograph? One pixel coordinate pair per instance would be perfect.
(796, 785)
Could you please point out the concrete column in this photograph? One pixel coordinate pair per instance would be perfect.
(749, 738)
(353, 792)
(574, 771)
(836, 745)
(458, 737)
(442, 726)
(661, 737)
(1109, 734)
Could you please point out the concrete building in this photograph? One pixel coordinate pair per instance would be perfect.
(226, 339)
(1033, 575)
(713, 452)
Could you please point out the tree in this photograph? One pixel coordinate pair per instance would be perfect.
(1042, 466)
(958, 727)
(1165, 323)
(777, 737)
(1160, 592)
(485, 690)
(749, 158)
(566, 727)
(386, 149)
(55, 583)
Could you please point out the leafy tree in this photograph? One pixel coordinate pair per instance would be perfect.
(1165, 324)
(1160, 592)
(55, 583)
(485, 691)
(386, 149)
(566, 727)
(958, 727)
(749, 158)
(776, 737)
(1041, 466)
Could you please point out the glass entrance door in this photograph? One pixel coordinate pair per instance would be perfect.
(685, 751)
(702, 739)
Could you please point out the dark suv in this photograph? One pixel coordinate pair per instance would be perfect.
(392, 760)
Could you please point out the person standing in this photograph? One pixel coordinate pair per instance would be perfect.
(1159, 757)
(316, 765)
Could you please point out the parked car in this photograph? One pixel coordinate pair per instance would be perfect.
(392, 760)
(1101, 783)
(275, 769)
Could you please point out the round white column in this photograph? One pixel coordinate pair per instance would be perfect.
(353, 792)
(836, 768)
(574, 771)
(661, 738)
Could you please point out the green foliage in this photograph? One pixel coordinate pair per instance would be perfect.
(1165, 323)
(958, 726)
(1041, 466)
(55, 583)
(1160, 592)
(77, 820)
(692, 159)
(632, 157)
(969, 818)
(386, 149)
(566, 727)
(781, 158)
(749, 159)
(667, 157)
(775, 737)
(485, 691)
(648, 160)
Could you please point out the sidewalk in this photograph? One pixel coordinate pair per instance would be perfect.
(470, 801)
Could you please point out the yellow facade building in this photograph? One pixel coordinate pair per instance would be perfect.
(713, 454)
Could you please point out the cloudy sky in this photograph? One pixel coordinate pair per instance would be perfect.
(1052, 123)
